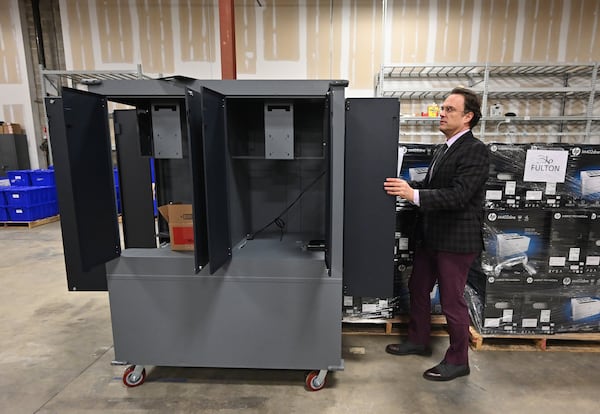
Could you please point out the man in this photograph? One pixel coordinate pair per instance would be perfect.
(448, 233)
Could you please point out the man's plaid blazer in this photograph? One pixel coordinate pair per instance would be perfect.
(451, 200)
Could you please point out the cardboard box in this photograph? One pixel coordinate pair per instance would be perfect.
(12, 128)
(413, 163)
(505, 187)
(569, 235)
(181, 225)
(501, 310)
(549, 193)
(415, 160)
(536, 313)
(577, 308)
(592, 251)
(582, 179)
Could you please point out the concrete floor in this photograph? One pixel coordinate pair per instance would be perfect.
(56, 352)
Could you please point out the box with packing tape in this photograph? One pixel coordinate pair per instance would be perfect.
(181, 225)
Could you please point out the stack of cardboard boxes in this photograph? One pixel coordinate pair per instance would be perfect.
(541, 254)
(540, 271)
(10, 128)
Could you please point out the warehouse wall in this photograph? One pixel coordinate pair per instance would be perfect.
(298, 39)
(325, 38)
(499, 31)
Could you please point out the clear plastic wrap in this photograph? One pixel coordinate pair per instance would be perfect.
(540, 271)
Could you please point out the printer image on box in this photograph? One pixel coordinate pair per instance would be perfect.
(590, 182)
(585, 307)
(510, 244)
(511, 251)
(418, 173)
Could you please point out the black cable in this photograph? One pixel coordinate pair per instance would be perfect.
(278, 221)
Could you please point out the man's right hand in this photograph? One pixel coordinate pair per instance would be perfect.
(398, 187)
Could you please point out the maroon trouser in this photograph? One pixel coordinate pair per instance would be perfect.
(450, 270)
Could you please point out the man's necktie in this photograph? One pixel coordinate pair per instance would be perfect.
(438, 154)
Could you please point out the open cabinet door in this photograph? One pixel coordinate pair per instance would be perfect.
(135, 182)
(81, 149)
(194, 108)
(206, 119)
(369, 213)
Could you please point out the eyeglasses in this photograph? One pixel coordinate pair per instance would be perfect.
(449, 109)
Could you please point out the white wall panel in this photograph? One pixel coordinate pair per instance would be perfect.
(15, 97)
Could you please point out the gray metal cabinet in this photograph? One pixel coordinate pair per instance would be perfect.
(285, 179)
(13, 153)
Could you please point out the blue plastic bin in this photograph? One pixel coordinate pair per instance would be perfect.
(52, 209)
(19, 177)
(27, 196)
(118, 200)
(3, 214)
(29, 213)
(42, 178)
(152, 172)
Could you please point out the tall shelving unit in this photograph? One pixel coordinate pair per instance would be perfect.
(544, 102)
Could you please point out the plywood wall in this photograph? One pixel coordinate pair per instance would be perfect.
(326, 38)
(10, 72)
(165, 36)
(499, 31)
(300, 39)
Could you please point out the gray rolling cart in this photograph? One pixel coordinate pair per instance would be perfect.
(285, 180)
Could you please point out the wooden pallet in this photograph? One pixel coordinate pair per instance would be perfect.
(392, 326)
(30, 224)
(565, 342)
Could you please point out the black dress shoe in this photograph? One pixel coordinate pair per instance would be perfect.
(408, 348)
(446, 372)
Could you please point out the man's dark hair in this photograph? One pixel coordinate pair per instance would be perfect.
(472, 104)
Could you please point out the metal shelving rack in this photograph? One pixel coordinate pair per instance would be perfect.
(54, 80)
(560, 85)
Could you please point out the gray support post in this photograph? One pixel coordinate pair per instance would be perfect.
(337, 178)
